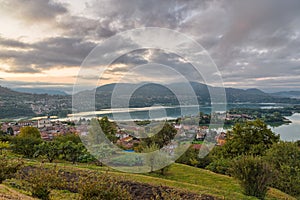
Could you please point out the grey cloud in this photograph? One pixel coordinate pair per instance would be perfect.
(247, 39)
(33, 10)
(13, 43)
(51, 52)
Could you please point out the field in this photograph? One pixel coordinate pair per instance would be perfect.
(179, 177)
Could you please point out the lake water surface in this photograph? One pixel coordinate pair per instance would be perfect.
(290, 132)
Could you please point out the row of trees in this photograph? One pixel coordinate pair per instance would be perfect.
(29, 144)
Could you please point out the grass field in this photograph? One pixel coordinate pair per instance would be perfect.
(180, 176)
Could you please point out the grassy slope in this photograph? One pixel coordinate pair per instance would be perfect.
(183, 177)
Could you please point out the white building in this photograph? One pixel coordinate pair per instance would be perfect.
(44, 123)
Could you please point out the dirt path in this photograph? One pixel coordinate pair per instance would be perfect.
(7, 193)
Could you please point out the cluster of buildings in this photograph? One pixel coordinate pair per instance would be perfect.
(47, 127)
(128, 135)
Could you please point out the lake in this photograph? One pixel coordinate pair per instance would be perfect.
(167, 112)
(289, 132)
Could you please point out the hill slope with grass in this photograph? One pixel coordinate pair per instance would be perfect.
(185, 179)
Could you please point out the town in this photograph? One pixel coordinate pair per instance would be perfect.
(127, 135)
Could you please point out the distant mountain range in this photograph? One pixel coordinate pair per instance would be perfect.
(151, 94)
(15, 104)
(40, 91)
(287, 94)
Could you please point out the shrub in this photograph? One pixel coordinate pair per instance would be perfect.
(39, 181)
(3, 146)
(285, 159)
(94, 187)
(254, 175)
(220, 166)
(8, 167)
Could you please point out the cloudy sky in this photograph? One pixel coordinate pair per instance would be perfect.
(253, 43)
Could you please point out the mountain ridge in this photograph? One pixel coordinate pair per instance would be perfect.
(15, 104)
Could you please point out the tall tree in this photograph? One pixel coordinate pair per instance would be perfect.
(29, 132)
(48, 149)
(252, 137)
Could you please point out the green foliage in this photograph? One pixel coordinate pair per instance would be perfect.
(68, 137)
(253, 137)
(285, 159)
(156, 159)
(8, 167)
(3, 146)
(25, 145)
(48, 149)
(72, 151)
(162, 138)
(220, 166)
(254, 174)
(29, 132)
(191, 154)
(39, 181)
(96, 187)
(109, 129)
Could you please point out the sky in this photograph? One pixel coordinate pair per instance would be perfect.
(254, 44)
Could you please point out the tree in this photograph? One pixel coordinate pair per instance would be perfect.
(29, 132)
(72, 151)
(48, 149)
(285, 159)
(109, 129)
(163, 137)
(1, 132)
(25, 145)
(68, 137)
(10, 131)
(254, 174)
(156, 159)
(253, 137)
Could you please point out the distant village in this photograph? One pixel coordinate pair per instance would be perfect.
(127, 135)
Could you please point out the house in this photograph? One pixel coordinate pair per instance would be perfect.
(122, 134)
(200, 136)
(221, 139)
(44, 123)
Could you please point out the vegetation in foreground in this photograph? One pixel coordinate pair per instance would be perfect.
(252, 154)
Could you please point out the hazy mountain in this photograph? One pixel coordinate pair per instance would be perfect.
(7, 92)
(16, 104)
(287, 94)
(40, 91)
(151, 94)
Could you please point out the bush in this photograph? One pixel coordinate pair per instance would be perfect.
(39, 181)
(8, 167)
(254, 174)
(220, 166)
(285, 159)
(94, 187)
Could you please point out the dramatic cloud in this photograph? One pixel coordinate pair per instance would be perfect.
(48, 53)
(254, 43)
(33, 11)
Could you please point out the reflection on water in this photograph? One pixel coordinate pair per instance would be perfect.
(290, 132)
